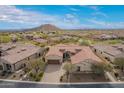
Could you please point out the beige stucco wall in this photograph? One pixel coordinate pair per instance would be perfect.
(84, 66)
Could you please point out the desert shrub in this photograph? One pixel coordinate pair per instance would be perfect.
(84, 42)
(40, 74)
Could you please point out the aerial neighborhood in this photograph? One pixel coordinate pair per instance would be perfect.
(53, 55)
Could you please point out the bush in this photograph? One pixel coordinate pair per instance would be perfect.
(40, 74)
(26, 70)
(5, 39)
(84, 42)
(37, 78)
(14, 76)
(31, 74)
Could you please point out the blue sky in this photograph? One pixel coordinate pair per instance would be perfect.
(68, 17)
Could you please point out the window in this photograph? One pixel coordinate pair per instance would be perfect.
(78, 68)
(107, 58)
(1, 67)
(0, 53)
(39, 54)
(28, 58)
(8, 67)
(95, 50)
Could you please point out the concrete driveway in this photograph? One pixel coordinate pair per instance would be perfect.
(52, 73)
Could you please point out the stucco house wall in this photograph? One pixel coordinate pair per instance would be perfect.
(85, 66)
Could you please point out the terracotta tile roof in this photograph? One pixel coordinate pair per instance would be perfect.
(6, 46)
(54, 51)
(19, 53)
(39, 40)
(83, 54)
(108, 49)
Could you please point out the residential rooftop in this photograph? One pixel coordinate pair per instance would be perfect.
(20, 52)
(40, 40)
(80, 53)
(110, 49)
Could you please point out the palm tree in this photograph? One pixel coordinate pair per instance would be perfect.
(68, 67)
(119, 62)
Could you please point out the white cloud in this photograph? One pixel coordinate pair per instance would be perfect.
(71, 19)
(74, 9)
(15, 15)
(100, 14)
(94, 8)
(69, 15)
(106, 24)
(12, 14)
(96, 11)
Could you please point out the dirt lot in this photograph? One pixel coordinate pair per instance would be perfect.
(87, 78)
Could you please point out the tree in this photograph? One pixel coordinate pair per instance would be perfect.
(37, 64)
(119, 62)
(84, 42)
(100, 68)
(68, 67)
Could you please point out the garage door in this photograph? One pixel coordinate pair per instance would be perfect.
(53, 62)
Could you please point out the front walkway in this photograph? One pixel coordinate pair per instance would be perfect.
(52, 73)
(111, 78)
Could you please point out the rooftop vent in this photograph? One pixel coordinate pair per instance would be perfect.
(121, 49)
(78, 50)
(23, 49)
(18, 52)
(61, 50)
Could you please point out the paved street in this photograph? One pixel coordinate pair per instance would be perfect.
(52, 73)
(19, 84)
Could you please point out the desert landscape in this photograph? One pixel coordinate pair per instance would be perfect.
(50, 54)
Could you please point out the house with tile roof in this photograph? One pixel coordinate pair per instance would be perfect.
(19, 56)
(81, 56)
(105, 36)
(109, 52)
(40, 40)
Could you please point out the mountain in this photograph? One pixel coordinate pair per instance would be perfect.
(47, 27)
(50, 27)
